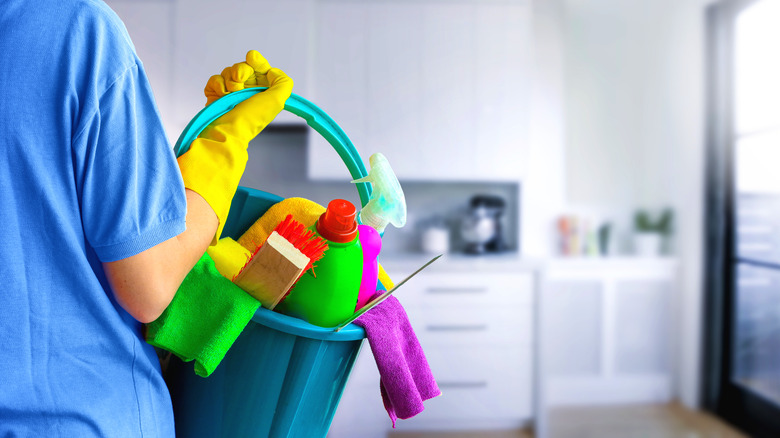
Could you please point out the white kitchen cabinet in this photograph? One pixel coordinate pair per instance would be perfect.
(608, 330)
(440, 88)
(476, 329)
(341, 82)
(184, 42)
(209, 36)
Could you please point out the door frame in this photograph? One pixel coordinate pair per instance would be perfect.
(747, 411)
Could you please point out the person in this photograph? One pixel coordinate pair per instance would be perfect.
(97, 227)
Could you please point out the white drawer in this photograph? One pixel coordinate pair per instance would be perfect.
(480, 384)
(479, 326)
(467, 290)
(360, 412)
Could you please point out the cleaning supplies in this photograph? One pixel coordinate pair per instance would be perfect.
(304, 211)
(204, 318)
(327, 294)
(387, 203)
(216, 159)
(371, 243)
(277, 264)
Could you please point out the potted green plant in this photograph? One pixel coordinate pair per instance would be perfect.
(651, 231)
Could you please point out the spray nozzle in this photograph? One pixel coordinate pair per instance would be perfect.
(387, 203)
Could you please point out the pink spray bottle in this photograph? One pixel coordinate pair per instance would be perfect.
(371, 243)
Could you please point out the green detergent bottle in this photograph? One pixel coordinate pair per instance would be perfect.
(327, 294)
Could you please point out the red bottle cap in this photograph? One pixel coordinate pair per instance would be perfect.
(338, 223)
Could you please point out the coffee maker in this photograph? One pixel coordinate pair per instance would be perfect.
(481, 227)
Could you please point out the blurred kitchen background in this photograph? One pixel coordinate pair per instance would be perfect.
(599, 173)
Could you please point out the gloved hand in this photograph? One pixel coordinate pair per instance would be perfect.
(253, 72)
(215, 161)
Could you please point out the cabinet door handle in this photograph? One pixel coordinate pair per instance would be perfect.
(457, 290)
(463, 385)
(458, 328)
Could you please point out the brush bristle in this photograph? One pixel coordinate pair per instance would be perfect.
(306, 241)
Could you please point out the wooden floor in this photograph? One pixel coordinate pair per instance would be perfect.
(662, 421)
(665, 421)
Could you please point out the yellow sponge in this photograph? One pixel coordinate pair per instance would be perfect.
(229, 257)
(302, 210)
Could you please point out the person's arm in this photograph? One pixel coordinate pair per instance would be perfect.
(144, 284)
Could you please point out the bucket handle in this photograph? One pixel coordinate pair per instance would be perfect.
(318, 119)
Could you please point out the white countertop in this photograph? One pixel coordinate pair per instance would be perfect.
(509, 261)
(513, 261)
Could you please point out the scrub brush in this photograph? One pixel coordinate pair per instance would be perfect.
(279, 262)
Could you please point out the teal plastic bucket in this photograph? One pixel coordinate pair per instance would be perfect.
(283, 377)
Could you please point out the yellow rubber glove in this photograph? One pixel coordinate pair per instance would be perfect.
(215, 161)
(253, 72)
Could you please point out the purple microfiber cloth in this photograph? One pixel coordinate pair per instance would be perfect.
(405, 378)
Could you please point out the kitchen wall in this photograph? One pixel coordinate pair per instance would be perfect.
(634, 110)
(617, 124)
(544, 181)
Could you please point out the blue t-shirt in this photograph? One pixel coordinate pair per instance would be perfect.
(86, 176)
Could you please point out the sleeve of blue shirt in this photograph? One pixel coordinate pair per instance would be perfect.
(132, 194)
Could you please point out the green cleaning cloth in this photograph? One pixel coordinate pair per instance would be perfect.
(204, 318)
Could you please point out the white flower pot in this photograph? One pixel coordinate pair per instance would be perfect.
(648, 244)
